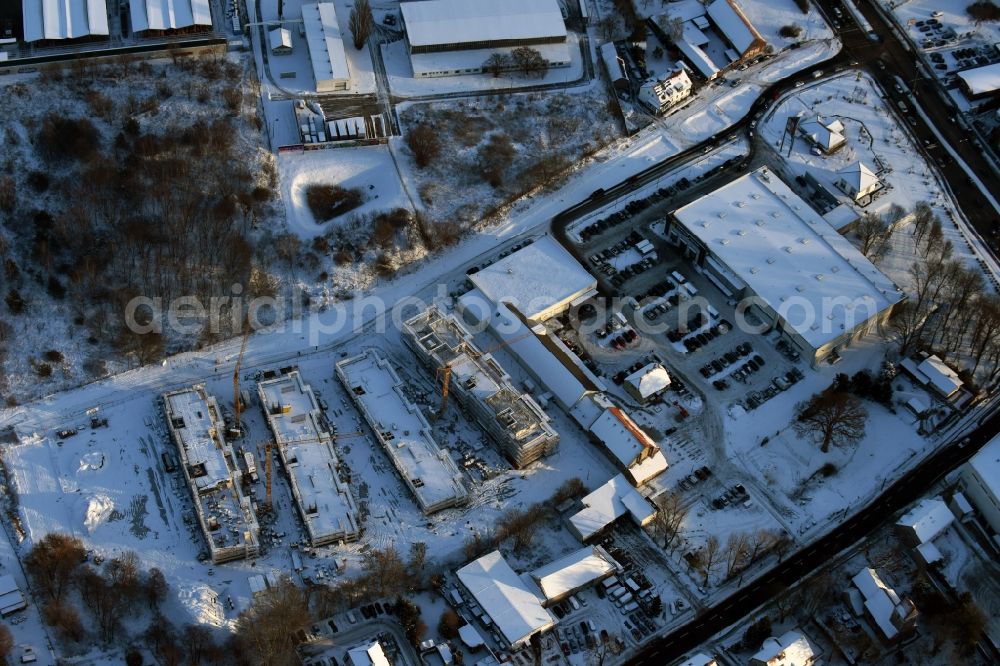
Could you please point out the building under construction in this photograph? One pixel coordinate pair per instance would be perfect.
(226, 516)
(305, 447)
(512, 418)
(426, 469)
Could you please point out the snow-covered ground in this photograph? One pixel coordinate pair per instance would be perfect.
(370, 169)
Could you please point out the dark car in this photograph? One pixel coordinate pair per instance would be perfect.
(758, 360)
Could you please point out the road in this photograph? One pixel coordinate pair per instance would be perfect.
(740, 604)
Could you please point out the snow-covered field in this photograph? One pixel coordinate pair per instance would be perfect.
(371, 169)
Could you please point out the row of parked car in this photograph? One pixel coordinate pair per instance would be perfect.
(691, 480)
(625, 338)
(725, 360)
(736, 494)
(787, 350)
(616, 249)
(780, 383)
(578, 637)
(618, 277)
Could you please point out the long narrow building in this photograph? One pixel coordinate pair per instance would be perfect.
(512, 418)
(210, 469)
(405, 435)
(305, 446)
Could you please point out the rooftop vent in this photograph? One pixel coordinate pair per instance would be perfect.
(759, 222)
(799, 288)
(788, 249)
(775, 214)
(804, 241)
(724, 241)
(754, 270)
(819, 276)
(755, 195)
(742, 232)
(771, 260)
(741, 204)
(722, 215)
(834, 269)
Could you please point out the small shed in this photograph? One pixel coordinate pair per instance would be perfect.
(281, 41)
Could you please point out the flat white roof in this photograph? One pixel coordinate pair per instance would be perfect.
(458, 21)
(608, 503)
(169, 14)
(515, 610)
(573, 571)
(427, 470)
(63, 19)
(986, 464)
(982, 80)
(325, 42)
(325, 504)
(927, 519)
(789, 256)
(535, 278)
(731, 24)
(11, 598)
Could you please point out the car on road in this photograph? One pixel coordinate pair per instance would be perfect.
(799, 84)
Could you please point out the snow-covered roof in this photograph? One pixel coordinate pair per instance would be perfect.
(694, 53)
(649, 380)
(609, 54)
(434, 22)
(792, 648)
(986, 465)
(629, 444)
(470, 636)
(841, 216)
(545, 356)
(536, 279)
(700, 659)
(427, 470)
(325, 42)
(733, 24)
(281, 38)
(940, 376)
(789, 256)
(608, 503)
(370, 654)
(11, 599)
(574, 571)
(827, 135)
(982, 80)
(169, 14)
(63, 19)
(929, 553)
(306, 450)
(927, 519)
(515, 610)
(880, 600)
(195, 424)
(859, 176)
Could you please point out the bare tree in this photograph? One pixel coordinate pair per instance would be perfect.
(361, 23)
(670, 515)
(267, 629)
(737, 551)
(53, 561)
(6, 643)
(869, 228)
(710, 557)
(923, 218)
(529, 61)
(832, 417)
(497, 63)
(156, 588)
(760, 542)
(424, 142)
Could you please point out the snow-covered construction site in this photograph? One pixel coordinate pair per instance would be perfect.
(561, 326)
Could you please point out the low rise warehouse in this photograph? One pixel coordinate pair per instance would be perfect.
(756, 239)
(326, 47)
(571, 573)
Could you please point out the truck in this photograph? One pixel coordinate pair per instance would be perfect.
(251, 466)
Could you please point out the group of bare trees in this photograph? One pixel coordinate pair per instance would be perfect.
(57, 567)
(832, 417)
(361, 22)
(949, 310)
(527, 61)
(734, 556)
(875, 230)
(160, 208)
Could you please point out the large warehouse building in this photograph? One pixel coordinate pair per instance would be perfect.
(59, 21)
(756, 239)
(170, 17)
(326, 47)
(981, 479)
(452, 37)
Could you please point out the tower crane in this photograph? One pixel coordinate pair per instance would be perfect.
(443, 373)
(237, 429)
(269, 445)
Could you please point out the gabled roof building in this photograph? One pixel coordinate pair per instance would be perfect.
(64, 20)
